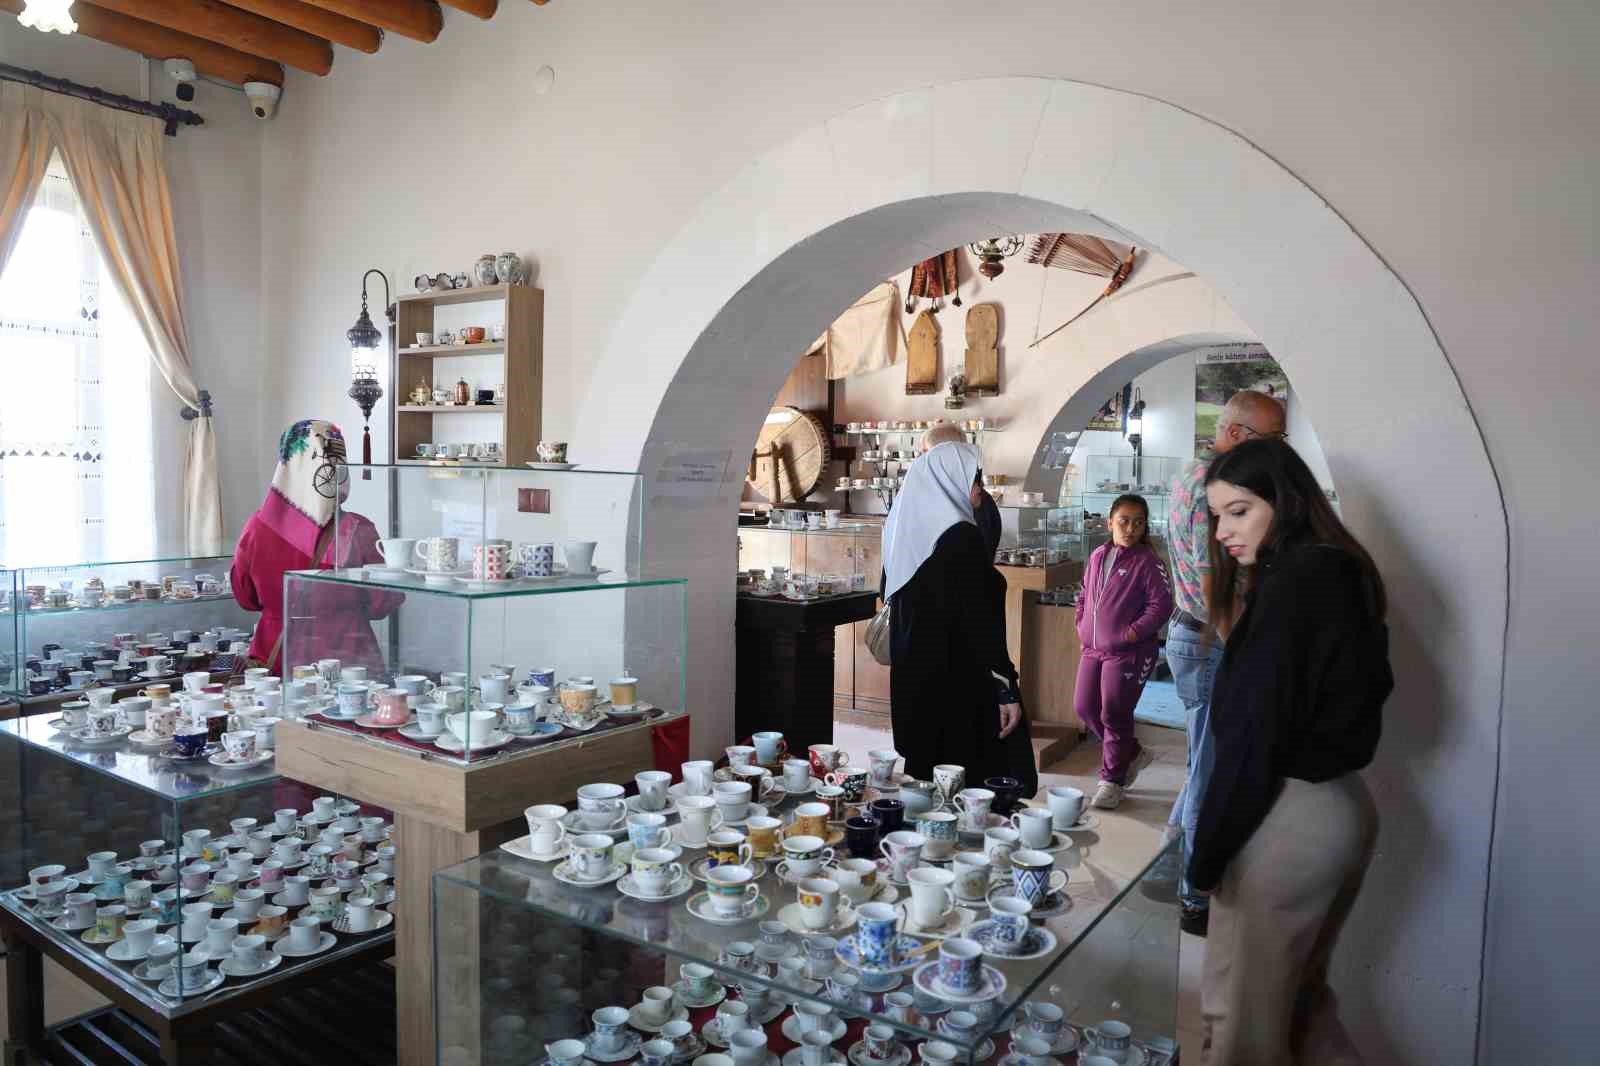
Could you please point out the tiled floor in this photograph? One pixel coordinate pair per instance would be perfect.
(1149, 802)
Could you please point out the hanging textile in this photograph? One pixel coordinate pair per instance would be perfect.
(1083, 254)
(115, 163)
(866, 337)
(932, 280)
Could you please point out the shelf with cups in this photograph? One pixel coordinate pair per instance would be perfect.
(818, 957)
(509, 369)
(167, 885)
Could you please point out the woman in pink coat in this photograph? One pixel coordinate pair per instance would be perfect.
(1125, 601)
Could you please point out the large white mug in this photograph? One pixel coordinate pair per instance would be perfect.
(579, 556)
(438, 553)
(398, 551)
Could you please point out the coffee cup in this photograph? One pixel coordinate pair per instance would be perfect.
(1035, 826)
(537, 560)
(974, 804)
(810, 819)
(652, 786)
(805, 855)
(139, 935)
(240, 745)
(1034, 876)
(796, 774)
(1109, 1038)
(733, 799)
(624, 692)
(654, 871)
(903, 849)
(697, 777)
(933, 899)
(770, 747)
(579, 556)
(1066, 805)
(697, 816)
(591, 857)
(728, 847)
(545, 832)
(852, 779)
(601, 805)
(305, 934)
(763, 832)
(731, 890)
(819, 902)
(999, 843)
(647, 829)
(296, 891)
(857, 878)
(438, 553)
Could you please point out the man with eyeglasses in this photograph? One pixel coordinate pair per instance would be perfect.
(1193, 650)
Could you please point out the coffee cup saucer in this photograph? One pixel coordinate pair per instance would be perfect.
(573, 822)
(380, 920)
(1036, 943)
(983, 1053)
(121, 952)
(859, 1056)
(326, 941)
(991, 984)
(230, 966)
(700, 869)
(550, 466)
(169, 987)
(144, 738)
(684, 1000)
(522, 849)
(836, 1028)
(676, 888)
(631, 1043)
(84, 736)
(145, 972)
(414, 731)
(699, 905)
(370, 721)
(89, 936)
(637, 1019)
(1086, 821)
(792, 915)
(66, 926)
(953, 924)
(811, 786)
(223, 761)
(496, 739)
(1066, 1039)
(278, 900)
(564, 873)
(1055, 903)
(681, 839)
(757, 810)
(667, 809)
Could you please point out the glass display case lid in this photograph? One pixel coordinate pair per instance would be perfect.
(465, 588)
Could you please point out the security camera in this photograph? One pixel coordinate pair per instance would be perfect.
(181, 71)
(263, 98)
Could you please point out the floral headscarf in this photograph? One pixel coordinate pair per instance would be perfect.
(304, 488)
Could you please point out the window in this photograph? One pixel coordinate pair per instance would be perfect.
(76, 448)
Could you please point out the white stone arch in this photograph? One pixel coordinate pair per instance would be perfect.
(707, 337)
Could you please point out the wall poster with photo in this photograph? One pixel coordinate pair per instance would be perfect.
(1223, 371)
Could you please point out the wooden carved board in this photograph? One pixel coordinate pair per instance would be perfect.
(983, 350)
(922, 363)
(791, 454)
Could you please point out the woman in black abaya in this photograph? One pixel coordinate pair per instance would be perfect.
(952, 688)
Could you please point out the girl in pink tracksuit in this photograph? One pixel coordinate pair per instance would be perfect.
(1125, 601)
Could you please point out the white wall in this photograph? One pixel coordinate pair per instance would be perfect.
(1456, 136)
(214, 172)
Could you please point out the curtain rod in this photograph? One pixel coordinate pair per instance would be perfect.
(170, 114)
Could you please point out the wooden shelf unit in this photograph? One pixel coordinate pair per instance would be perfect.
(522, 368)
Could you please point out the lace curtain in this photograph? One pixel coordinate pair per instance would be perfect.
(76, 444)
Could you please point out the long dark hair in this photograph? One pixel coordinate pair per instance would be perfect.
(1131, 499)
(1301, 514)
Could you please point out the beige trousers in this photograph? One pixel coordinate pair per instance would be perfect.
(1275, 917)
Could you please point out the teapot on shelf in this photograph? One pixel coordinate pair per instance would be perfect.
(421, 396)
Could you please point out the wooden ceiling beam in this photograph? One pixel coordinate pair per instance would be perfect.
(229, 26)
(314, 20)
(419, 20)
(482, 8)
(159, 42)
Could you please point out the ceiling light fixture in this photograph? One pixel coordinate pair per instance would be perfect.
(48, 16)
(991, 250)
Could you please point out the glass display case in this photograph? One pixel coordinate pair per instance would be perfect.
(476, 671)
(1105, 477)
(89, 624)
(544, 965)
(814, 562)
(139, 869)
(1046, 535)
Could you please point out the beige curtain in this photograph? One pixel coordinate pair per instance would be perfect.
(24, 154)
(115, 162)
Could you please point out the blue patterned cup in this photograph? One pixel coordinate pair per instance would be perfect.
(960, 965)
(939, 829)
(876, 927)
(1008, 923)
(1034, 876)
(543, 675)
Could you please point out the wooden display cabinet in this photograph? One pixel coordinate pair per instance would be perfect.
(516, 422)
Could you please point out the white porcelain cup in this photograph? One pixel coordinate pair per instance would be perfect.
(305, 934)
(139, 935)
(579, 556)
(360, 913)
(655, 1005)
(652, 785)
(1035, 825)
(971, 870)
(733, 799)
(1066, 805)
(933, 897)
(819, 902)
(796, 774)
(697, 816)
(545, 832)
(219, 936)
(398, 551)
(697, 777)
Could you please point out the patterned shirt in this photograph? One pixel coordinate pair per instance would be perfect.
(1188, 537)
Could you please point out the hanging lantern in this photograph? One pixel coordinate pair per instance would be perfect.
(991, 250)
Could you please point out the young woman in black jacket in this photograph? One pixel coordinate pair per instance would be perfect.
(1286, 826)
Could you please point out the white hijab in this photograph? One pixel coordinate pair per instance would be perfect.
(937, 495)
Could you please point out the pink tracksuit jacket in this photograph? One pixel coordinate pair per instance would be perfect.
(1123, 587)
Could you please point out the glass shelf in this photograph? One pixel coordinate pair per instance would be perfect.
(1115, 951)
(137, 767)
(464, 589)
(116, 607)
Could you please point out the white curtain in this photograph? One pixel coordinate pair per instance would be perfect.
(76, 477)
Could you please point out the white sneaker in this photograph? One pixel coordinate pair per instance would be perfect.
(1107, 796)
(1140, 761)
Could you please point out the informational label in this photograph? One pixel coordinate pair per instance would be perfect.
(692, 472)
(464, 521)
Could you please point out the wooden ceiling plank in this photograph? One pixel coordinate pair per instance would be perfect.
(484, 9)
(419, 20)
(349, 32)
(159, 42)
(229, 26)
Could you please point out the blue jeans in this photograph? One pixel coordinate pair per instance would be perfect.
(1194, 669)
